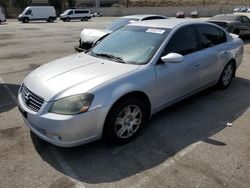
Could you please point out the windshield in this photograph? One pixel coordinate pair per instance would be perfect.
(120, 23)
(131, 44)
(66, 12)
(24, 11)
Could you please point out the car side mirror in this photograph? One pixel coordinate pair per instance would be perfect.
(172, 58)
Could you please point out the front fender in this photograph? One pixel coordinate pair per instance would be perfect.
(142, 80)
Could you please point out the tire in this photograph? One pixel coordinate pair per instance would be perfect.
(227, 76)
(125, 120)
(86, 19)
(68, 19)
(236, 31)
(51, 20)
(26, 20)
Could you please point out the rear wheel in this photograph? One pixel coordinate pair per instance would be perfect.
(226, 76)
(86, 19)
(125, 120)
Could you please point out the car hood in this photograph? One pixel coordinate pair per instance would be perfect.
(92, 35)
(72, 75)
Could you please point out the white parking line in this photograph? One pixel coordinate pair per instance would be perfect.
(66, 168)
(171, 161)
(12, 95)
(74, 177)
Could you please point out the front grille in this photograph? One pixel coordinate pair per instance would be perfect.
(32, 101)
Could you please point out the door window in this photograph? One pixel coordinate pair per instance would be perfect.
(28, 12)
(245, 20)
(210, 36)
(70, 12)
(183, 42)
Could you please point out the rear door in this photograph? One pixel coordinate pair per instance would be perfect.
(175, 80)
(246, 25)
(214, 52)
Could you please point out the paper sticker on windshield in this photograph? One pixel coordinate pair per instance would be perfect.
(157, 31)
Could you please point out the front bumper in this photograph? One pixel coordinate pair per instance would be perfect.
(65, 130)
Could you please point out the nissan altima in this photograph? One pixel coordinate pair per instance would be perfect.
(111, 90)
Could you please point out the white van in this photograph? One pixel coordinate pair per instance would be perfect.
(75, 14)
(2, 16)
(31, 13)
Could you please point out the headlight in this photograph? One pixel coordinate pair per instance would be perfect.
(75, 104)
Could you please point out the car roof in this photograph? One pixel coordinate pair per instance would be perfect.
(166, 23)
(141, 16)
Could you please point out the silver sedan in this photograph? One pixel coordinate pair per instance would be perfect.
(113, 89)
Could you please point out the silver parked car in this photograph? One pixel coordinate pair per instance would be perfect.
(88, 37)
(112, 90)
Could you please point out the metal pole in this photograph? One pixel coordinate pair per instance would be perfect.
(204, 1)
(97, 3)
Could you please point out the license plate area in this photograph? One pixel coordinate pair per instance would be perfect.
(23, 112)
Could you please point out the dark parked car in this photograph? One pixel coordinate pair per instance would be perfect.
(237, 24)
(180, 14)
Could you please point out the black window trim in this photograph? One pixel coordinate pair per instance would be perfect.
(196, 36)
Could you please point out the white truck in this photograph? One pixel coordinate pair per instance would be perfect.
(47, 13)
(2, 16)
(76, 14)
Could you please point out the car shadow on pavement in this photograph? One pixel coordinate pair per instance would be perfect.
(6, 101)
(169, 132)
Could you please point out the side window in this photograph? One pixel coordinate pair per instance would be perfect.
(28, 12)
(223, 37)
(183, 42)
(70, 12)
(244, 19)
(210, 36)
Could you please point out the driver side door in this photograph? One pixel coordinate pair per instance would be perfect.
(176, 80)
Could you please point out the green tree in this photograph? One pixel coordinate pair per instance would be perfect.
(58, 4)
(71, 3)
(21, 3)
(4, 4)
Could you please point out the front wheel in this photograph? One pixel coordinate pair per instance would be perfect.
(86, 19)
(125, 120)
(26, 20)
(226, 76)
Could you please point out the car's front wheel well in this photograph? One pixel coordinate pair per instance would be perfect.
(138, 95)
(138, 98)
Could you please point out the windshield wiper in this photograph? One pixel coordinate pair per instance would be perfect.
(118, 59)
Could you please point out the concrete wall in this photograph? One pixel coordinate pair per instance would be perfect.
(206, 11)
